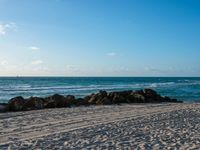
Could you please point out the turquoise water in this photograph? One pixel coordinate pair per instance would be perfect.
(187, 89)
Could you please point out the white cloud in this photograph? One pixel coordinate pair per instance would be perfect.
(4, 28)
(12, 26)
(152, 69)
(35, 48)
(72, 68)
(111, 54)
(37, 62)
(7, 68)
(4, 63)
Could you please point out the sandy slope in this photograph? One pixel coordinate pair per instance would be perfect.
(150, 126)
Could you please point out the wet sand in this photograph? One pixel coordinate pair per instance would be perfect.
(141, 126)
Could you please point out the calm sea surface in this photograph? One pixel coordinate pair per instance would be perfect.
(187, 89)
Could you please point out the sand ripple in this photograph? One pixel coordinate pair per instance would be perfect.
(150, 126)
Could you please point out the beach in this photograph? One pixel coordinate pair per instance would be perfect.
(126, 126)
(99, 74)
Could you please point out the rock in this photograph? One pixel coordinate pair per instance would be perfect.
(100, 98)
(54, 101)
(145, 96)
(119, 97)
(16, 104)
(57, 100)
(34, 103)
(174, 100)
(141, 92)
(104, 101)
(91, 99)
(70, 100)
(3, 107)
(167, 99)
(96, 98)
(70, 97)
(102, 93)
(137, 98)
(150, 93)
(88, 97)
(152, 96)
(82, 102)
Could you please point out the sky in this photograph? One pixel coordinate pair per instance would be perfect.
(99, 37)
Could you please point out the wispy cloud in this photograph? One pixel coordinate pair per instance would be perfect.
(34, 48)
(4, 63)
(4, 28)
(37, 62)
(6, 66)
(111, 54)
(72, 68)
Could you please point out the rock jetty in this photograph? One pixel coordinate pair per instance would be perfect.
(101, 98)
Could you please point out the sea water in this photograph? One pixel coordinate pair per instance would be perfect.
(182, 88)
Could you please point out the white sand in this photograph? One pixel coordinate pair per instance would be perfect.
(145, 126)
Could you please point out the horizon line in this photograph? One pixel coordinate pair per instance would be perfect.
(101, 76)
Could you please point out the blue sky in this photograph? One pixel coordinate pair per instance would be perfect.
(100, 37)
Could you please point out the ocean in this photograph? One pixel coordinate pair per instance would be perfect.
(182, 88)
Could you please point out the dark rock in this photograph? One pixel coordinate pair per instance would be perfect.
(119, 97)
(152, 96)
(100, 98)
(102, 93)
(34, 103)
(70, 97)
(137, 97)
(55, 101)
(88, 97)
(82, 102)
(96, 98)
(104, 101)
(70, 101)
(174, 100)
(16, 104)
(3, 107)
(141, 92)
(150, 93)
(167, 99)
(91, 99)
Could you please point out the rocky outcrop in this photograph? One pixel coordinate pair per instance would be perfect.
(59, 101)
(119, 97)
(34, 103)
(140, 96)
(70, 100)
(3, 107)
(54, 101)
(100, 98)
(16, 104)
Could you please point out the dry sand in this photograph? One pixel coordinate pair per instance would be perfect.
(145, 126)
